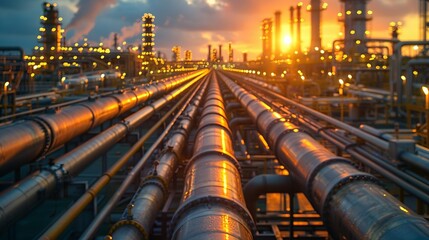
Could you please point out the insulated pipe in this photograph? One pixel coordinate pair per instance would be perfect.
(212, 205)
(267, 183)
(66, 219)
(27, 140)
(23, 196)
(137, 221)
(351, 204)
(355, 131)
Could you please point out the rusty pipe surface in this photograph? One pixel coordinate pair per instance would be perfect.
(137, 221)
(212, 205)
(23, 196)
(350, 202)
(36, 136)
(267, 183)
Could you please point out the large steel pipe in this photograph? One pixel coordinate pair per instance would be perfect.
(137, 221)
(23, 196)
(351, 204)
(27, 140)
(212, 205)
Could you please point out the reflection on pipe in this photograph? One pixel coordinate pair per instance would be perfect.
(137, 221)
(351, 204)
(22, 197)
(212, 205)
(27, 140)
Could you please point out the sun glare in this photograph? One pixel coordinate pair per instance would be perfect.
(287, 41)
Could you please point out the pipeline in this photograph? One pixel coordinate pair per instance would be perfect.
(29, 139)
(355, 131)
(23, 196)
(138, 219)
(71, 213)
(350, 202)
(263, 184)
(212, 205)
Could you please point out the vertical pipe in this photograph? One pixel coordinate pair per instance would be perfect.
(278, 35)
(292, 22)
(298, 28)
(212, 205)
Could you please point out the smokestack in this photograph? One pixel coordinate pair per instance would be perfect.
(209, 55)
(292, 23)
(278, 34)
(115, 41)
(316, 9)
(245, 57)
(230, 53)
(298, 28)
(220, 53)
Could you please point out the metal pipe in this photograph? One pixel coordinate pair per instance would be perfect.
(36, 136)
(66, 219)
(137, 221)
(212, 206)
(22, 197)
(235, 122)
(91, 230)
(351, 204)
(267, 183)
(354, 131)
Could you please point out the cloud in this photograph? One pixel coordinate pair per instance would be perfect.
(84, 19)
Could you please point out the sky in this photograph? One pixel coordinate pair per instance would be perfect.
(192, 24)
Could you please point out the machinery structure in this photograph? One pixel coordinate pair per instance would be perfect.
(314, 143)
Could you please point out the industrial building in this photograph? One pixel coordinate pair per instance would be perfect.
(118, 142)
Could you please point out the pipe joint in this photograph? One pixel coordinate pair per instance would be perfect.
(210, 201)
(58, 171)
(157, 181)
(130, 223)
(47, 130)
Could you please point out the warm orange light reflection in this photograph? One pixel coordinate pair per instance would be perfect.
(222, 139)
(225, 185)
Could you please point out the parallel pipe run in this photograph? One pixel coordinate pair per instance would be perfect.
(131, 177)
(74, 211)
(351, 204)
(137, 221)
(212, 205)
(27, 140)
(23, 196)
(355, 131)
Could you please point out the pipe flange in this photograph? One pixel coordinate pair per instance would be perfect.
(120, 105)
(272, 124)
(59, 173)
(133, 223)
(92, 112)
(155, 180)
(282, 134)
(234, 206)
(228, 156)
(364, 177)
(47, 130)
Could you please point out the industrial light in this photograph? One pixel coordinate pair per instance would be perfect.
(425, 90)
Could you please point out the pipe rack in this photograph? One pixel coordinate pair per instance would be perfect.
(350, 202)
(23, 196)
(26, 140)
(212, 205)
(138, 219)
